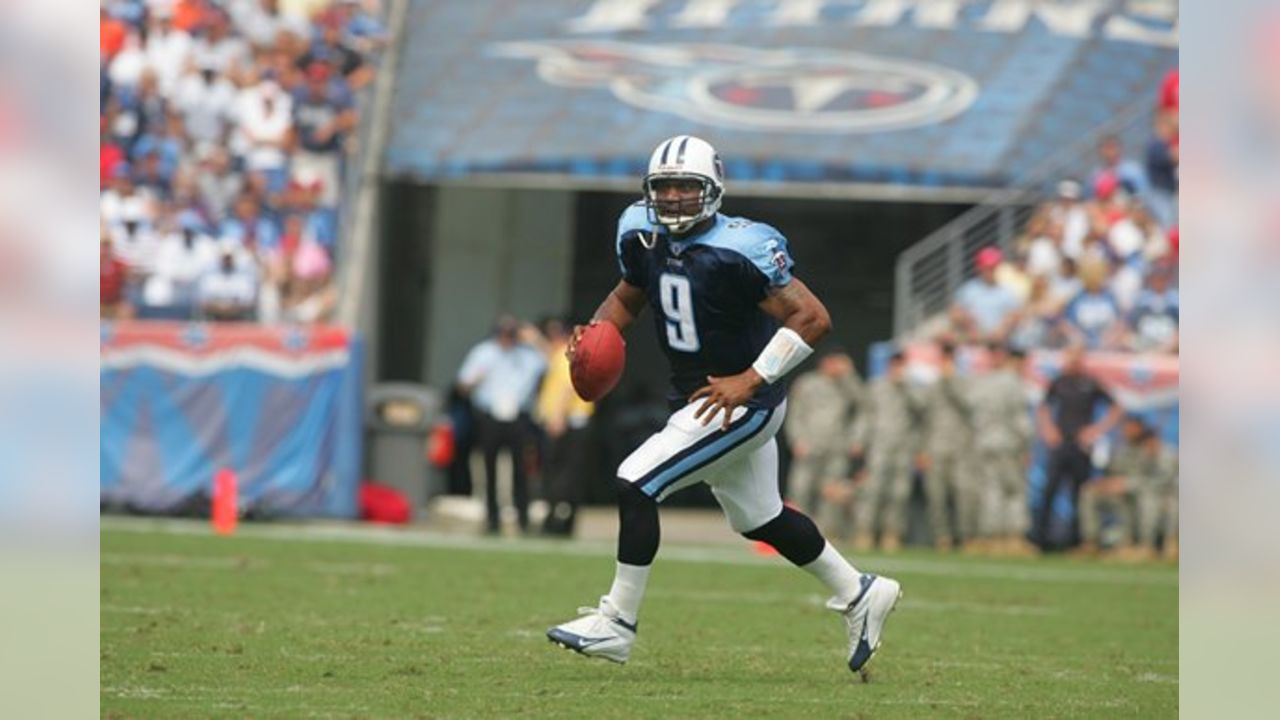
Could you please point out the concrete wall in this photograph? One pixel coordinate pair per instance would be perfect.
(493, 251)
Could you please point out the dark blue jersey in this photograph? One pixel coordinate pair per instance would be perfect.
(705, 291)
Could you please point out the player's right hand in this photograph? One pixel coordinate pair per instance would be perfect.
(574, 338)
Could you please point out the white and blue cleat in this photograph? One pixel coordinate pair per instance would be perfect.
(865, 617)
(597, 632)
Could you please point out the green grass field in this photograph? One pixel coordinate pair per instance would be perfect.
(282, 622)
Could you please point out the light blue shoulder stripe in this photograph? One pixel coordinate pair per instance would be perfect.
(760, 243)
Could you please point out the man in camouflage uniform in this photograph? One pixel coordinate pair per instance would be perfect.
(948, 441)
(887, 432)
(819, 415)
(1002, 445)
(1140, 483)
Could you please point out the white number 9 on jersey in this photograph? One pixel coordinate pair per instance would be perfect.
(677, 305)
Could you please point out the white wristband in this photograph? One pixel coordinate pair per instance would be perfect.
(783, 353)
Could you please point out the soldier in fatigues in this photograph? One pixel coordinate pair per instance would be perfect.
(1141, 483)
(948, 444)
(1002, 444)
(887, 431)
(819, 416)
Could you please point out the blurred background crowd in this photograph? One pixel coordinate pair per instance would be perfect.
(226, 129)
(1096, 264)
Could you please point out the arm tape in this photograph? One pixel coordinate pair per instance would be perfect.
(783, 353)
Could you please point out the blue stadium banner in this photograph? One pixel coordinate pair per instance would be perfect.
(925, 95)
(280, 406)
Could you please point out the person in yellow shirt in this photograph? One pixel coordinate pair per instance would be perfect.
(564, 417)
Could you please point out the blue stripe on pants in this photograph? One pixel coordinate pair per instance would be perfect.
(706, 454)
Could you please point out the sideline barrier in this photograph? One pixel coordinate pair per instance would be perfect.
(280, 406)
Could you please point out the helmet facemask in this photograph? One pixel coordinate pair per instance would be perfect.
(681, 214)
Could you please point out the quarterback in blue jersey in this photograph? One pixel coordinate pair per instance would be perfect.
(733, 322)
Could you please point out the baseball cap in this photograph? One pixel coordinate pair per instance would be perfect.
(988, 257)
(318, 71)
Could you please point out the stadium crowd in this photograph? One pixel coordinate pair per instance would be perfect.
(1096, 264)
(225, 126)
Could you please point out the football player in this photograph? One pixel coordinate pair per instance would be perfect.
(733, 321)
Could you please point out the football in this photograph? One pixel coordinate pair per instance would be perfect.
(598, 361)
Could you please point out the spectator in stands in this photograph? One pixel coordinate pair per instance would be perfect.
(266, 121)
(310, 297)
(1169, 92)
(1127, 171)
(323, 114)
(1039, 246)
(143, 109)
(149, 175)
(501, 375)
(122, 196)
(250, 227)
(261, 21)
(984, 310)
(110, 156)
(1038, 324)
(168, 49)
(1072, 215)
(167, 138)
(185, 255)
(218, 184)
(1066, 424)
(1162, 169)
(111, 33)
(330, 48)
(320, 222)
(1092, 318)
(228, 292)
(133, 239)
(206, 99)
(127, 66)
(365, 32)
(113, 275)
(217, 47)
(1154, 320)
(1066, 284)
(188, 14)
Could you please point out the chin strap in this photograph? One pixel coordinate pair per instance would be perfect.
(783, 353)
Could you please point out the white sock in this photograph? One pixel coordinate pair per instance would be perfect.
(628, 589)
(836, 573)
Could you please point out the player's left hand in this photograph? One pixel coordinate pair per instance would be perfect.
(725, 393)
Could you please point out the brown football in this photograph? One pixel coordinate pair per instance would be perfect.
(598, 361)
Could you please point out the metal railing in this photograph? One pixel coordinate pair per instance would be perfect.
(928, 274)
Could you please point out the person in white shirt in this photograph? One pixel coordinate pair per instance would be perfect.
(133, 239)
(184, 256)
(265, 122)
(218, 47)
(227, 292)
(1073, 216)
(127, 66)
(206, 99)
(168, 51)
(261, 21)
(123, 197)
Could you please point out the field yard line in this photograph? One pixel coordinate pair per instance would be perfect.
(397, 537)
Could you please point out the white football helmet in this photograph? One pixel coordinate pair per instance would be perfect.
(684, 157)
